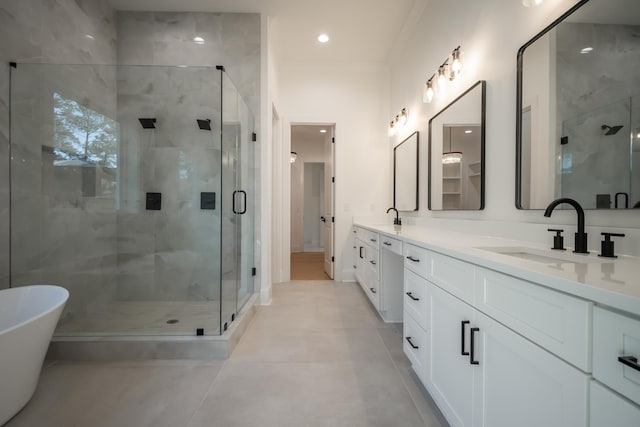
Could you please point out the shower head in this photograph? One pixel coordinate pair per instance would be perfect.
(204, 124)
(611, 130)
(148, 123)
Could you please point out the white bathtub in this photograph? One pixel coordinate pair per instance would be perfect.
(28, 317)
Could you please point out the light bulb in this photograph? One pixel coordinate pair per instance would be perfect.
(427, 96)
(392, 129)
(456, 63)
(442, 79)
(403, 117)
(323, 38)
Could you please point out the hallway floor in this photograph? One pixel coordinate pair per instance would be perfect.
(318, 356)
(308, 266)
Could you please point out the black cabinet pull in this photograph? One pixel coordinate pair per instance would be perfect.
(372, 262)
(410, 295)
(373, 290)
(410, 258)
(386, 243)
(462, 328)
(411, 343)
(630, 361)
(323, 219)
(373, 240)
(361, 248)
(472, 358)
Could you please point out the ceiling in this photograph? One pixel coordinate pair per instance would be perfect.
(359, 30)
(310, 134)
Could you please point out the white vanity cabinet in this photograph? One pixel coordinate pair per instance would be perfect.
(378, 268)
(480, 371)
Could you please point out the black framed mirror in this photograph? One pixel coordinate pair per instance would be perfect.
(456, 152)
(406, 164)
(578, 109)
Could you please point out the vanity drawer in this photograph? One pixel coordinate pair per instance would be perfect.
(417, 259)
(556, 321)
(614, 336)
(608, 409)
(414, 342)
(394, 245)
(453, 275)
(415, 297)
(373, 292)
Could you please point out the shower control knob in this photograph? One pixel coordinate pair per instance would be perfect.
(558, 240)
(606, 249)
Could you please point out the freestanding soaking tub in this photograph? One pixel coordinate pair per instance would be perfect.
(28, 317)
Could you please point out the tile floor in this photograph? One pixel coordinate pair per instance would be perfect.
(318, 356)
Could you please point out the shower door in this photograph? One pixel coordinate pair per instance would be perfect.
(237, 202)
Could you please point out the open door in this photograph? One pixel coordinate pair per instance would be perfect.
(329, 183)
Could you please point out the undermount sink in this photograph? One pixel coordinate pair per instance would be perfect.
(545, 256)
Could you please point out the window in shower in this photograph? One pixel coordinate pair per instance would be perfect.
(85, 143)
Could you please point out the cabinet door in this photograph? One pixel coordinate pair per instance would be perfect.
(517, 383)
(449, 374)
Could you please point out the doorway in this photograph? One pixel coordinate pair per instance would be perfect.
(312, 202)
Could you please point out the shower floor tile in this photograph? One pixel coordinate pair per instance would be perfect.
(144, 318)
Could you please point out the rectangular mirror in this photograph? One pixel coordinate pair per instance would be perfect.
(456, 153)
(578, 109)
(405, 173)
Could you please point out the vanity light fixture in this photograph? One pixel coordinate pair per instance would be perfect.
(531, 3)
(392, 128)
(450, 69)
(403, 117)
(294, 156)
(450, 156)
(323, 38)
(427, 96)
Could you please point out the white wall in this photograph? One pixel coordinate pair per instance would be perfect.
(490, 33)
(355, 97)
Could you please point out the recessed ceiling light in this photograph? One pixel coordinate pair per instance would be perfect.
(323, 38)
(323, 131)
(468, 131)
(198, 40)
(89, 36)
(587, 49)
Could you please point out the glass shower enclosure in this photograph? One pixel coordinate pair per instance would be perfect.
(133, 187)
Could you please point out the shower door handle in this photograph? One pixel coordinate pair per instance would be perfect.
(244, 202)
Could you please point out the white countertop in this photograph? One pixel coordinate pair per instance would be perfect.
(614, 282)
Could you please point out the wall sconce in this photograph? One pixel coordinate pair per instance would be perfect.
(399, 121)
(450, 69)
(294, 156)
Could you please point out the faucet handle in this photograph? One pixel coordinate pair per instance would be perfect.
(606, 246)
(558, 240)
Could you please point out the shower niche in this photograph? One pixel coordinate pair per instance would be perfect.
(126, 183)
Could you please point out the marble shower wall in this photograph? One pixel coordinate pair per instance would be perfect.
(587, 100)
(55, 32)
(174, 254)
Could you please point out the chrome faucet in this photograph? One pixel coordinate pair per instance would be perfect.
(580, 236)
(396, 220)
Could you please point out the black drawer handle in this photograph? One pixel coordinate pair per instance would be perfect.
(630, 361)
(472, 359)
(386, 243)
(361, 248)
(410, 258)
(463, 324)
(373, 240)
(373, 290)
(411, 343)
(410, 295)
(373, 262)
